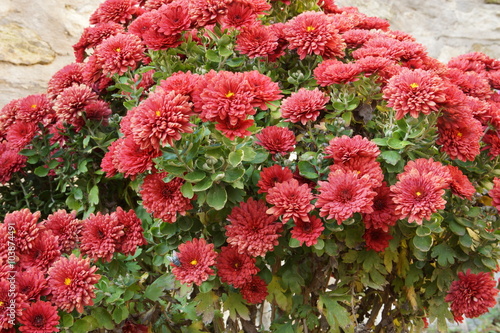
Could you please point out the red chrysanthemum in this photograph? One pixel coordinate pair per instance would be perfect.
(460, 140)
(72, 281)
(255, 291)
(460, 185)
(384, 210)
(256, 41)
(173, 18)
(276, 140)
(344, 149)
(251, 229)
(90, 38)
(118, 53)
(10, 161)
(20, 134)
(194, 260)
(332, 71)
(31, 284)
(417, 196)
(101, 236)
(472, 294)
(34, 108)
(415, 92)
(119, 11)
(132, 231)
(308, 232)
(377, 239)
(304, 105)
(235, 268)
(43, 252)
(39, 317)
(161, 119)
(164, 200)
(26, 226)
(290, 201)
(494, 193)
(314, 33)
(344, 194)
(66, 227)
(273, 175)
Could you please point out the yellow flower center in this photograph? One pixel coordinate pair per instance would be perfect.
(34, 106)
(414, 85)
(67, 281)
(418, 194)
(310, 28)
(194, 262)
(229, 94)
(158, 113)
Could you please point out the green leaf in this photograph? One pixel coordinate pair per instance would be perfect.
(391, 157)
(445, 254)
(424, 244)
(41, 171)
(94, 195)
(235, 157)
(217, 197)
(307, 170)
(194, 176)
(203, 184)
(155, 290)
(235, 305)
(187, 190)
(104, 317)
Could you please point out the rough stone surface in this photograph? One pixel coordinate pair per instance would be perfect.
(48, 28)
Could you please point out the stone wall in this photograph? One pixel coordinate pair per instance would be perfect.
(36, 36)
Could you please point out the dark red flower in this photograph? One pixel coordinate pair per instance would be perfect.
(235, 268)
(251, 229)
(101, 236)
(72, 281)
(377, 239)
(276, 140)
(308, 232)
(255, 291)
(273, 175)
(39, 317)
(194, 260)
(164, 200)
(344, 194)
(304, 105)
(290, 201)
(472, 294)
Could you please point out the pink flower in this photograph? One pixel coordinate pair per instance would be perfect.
(72, 281)
(251, 229)
(195, 258)
(276, 140)
(235, 268)
(304, 105)
(290, 200)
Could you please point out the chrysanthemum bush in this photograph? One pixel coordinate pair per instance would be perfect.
(228, 165)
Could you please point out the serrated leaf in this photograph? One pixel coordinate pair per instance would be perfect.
(217, 197)
(235, 157)
(424, 244)
(235, 305)
(391, 157)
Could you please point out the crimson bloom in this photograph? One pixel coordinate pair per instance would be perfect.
(251, 229)
(164, 200)
(273, 175)
(304, 105)
(308, 232)
(194, 260)
(414, 92)
(161, 119)
(101, 236)
(290, 200)
(39, 317)
(472, 294)
(235, 268)
(255, 291)
(72, 281)
(344, 194)
(276, 140)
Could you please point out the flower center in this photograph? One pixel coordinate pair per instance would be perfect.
(194, 262)
(67, 281)
(39, 321)
(229, 94)
(414, 85)
(310, 28)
